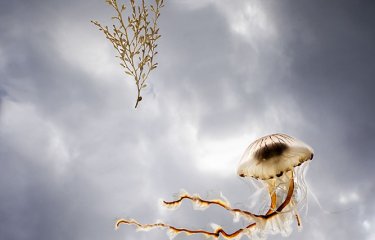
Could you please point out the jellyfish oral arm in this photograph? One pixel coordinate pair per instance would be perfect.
(174, 230)
(273, 196)
(287, 199)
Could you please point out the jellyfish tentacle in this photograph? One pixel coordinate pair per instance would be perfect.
(177, 230)
(204, 202)
(298, 220)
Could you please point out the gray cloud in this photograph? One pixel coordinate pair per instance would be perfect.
(75, 156)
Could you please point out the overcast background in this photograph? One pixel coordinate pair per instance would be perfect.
(75, 155)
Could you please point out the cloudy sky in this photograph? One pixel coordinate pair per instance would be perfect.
(75, 155)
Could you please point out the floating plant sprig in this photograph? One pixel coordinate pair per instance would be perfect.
(134, 36)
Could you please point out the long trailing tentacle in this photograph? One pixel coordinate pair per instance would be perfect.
(202, 203)
(174, 230)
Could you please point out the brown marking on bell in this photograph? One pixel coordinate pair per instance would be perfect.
(271, 150)
(279, 174)
(242, 175)
(312, 156)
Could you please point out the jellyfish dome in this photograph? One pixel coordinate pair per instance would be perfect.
(278, 161)
(273, 155)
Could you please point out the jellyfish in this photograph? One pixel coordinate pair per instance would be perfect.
(278, 163)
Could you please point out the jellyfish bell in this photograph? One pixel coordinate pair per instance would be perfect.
(273, 155)
(279, 162)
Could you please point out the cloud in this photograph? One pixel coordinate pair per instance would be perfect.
(75, 155)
